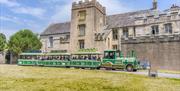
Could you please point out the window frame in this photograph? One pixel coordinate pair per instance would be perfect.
(81, 31)
(169, 28)
(125, 32)
(51, 42)
(80, 44)
(155, 29)
(115, 34)
(115, 47)
(82, 15)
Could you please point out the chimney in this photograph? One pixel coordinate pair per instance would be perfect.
(154, 5)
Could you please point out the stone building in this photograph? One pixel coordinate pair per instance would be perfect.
(153, 34)
(2, 58)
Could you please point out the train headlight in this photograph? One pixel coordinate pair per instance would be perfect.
(20, 62)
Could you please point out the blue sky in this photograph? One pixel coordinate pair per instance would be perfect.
(36, 15)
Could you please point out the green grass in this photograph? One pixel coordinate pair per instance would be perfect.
(18, 78)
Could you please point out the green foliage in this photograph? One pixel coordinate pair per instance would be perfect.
(2, 42)
(24, 40)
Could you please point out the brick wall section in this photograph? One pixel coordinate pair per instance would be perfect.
(162, 52)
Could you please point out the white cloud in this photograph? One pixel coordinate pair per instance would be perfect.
(18, 8)
(9, 3)
(62, 13)
(10, 19)
(27, 24)
(114, 6)
(38, 12)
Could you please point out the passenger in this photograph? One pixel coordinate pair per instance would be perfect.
(99, 58)
(57, 58)
(89, 57)
(94, 57)
(61, 58)
(111, 56)
(85, 57)
(81, 58)
(76, 58)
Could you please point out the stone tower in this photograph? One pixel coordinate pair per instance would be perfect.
(88, 17)
(155, 5)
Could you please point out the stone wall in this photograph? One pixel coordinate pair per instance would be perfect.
(1, 58)
(60, 42)
(162, 51)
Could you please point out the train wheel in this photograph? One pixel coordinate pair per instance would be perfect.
(98, 68)
(134, 70)
(108, 68)
(113, 69)
(129, 68)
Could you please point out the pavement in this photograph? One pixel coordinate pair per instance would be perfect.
(164, 75)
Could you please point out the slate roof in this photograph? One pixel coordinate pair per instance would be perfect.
(125, 19)
(57, 28)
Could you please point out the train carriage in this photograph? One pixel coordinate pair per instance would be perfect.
(61, 59)
(112, 59)
(43, 59)
(86, 59)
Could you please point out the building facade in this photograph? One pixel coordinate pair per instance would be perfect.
(154, 34)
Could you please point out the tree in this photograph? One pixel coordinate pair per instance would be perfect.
(2, 42)
(24, 40)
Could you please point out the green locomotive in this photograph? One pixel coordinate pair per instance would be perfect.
(83, 59)
(116, 60)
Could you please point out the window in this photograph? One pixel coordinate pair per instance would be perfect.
(155, 29)
(115, 34)
(168, 28)
(109, 55)
(82, 30)
(67, 37)
(125, 32)
(115, 47)
(134, 31)
(81, 44)
(82, 15)
(50, 42)
(108, 43)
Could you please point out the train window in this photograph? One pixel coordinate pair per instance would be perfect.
(118, 54)
(109, 55)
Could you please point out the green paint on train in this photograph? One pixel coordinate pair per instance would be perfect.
(112, 59)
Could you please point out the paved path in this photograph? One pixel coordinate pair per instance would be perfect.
(166, 75)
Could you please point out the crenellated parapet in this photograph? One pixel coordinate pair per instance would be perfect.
(151, 39)
(81, 4)
(155, 16)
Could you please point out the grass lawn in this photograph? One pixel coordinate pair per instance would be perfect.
(18, 78)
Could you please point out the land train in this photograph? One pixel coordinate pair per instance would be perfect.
(110, 59)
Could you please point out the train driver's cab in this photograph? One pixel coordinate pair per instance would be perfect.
(109, 54)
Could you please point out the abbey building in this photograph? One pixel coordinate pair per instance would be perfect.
(153, 34)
